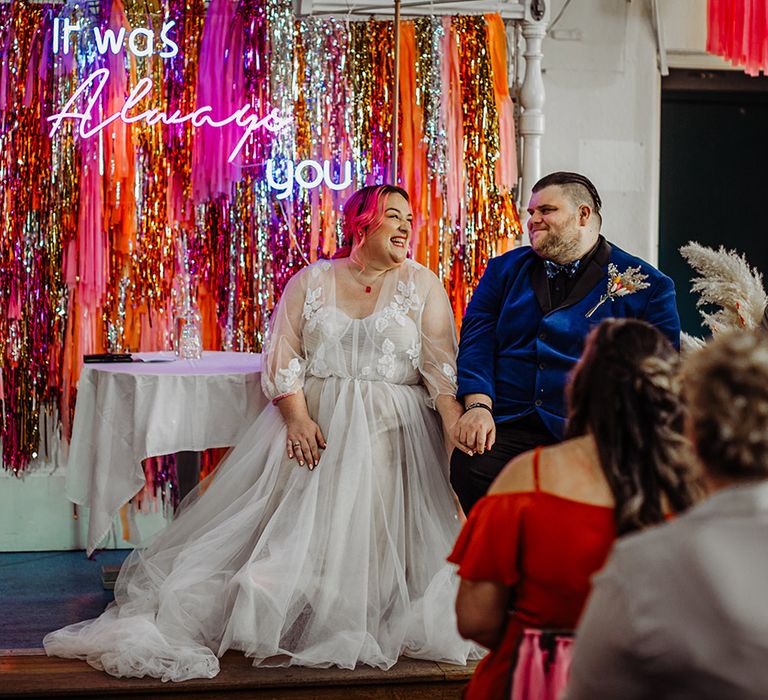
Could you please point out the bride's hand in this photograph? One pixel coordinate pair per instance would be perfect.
(451, 411)
(305, 440)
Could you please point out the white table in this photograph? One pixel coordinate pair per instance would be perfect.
(126, 412)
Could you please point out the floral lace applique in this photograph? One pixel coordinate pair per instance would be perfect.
(319, 367)
(450, 372)
(414, 352)
(313, 304)
(286, 379)
(405, 299)
(320, 266)
(386, 364)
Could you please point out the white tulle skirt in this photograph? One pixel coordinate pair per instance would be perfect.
(337, 566)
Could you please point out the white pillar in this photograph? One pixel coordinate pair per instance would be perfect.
(532, 100)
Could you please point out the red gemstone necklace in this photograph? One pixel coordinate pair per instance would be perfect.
(368, 287)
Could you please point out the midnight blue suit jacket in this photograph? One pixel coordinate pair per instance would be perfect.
(519, 354)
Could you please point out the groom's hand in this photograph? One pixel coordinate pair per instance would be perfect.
(476, 430)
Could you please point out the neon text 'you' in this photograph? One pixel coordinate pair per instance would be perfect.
(140, 41)
(308, 174)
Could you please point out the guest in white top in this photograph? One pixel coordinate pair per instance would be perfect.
(681, 611)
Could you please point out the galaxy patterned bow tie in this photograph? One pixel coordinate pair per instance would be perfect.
(553, 268)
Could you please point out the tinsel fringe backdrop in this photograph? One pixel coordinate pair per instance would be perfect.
(107, 200)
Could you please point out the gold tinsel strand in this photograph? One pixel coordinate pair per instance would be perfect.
(481, 145)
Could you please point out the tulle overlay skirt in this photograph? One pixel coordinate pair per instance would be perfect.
(337, 566)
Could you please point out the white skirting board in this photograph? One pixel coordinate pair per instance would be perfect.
(36, 516)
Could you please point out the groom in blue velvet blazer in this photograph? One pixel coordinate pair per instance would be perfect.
(525, 327)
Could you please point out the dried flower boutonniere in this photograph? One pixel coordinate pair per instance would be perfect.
(620, 284)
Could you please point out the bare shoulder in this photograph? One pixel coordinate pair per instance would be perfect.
(516, 477)
(572, 470)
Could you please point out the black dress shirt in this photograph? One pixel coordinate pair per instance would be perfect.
(561, 285)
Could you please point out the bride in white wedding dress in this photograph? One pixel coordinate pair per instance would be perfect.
(321, 539)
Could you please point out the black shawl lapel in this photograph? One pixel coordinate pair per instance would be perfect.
(540, 285)
(594, 274)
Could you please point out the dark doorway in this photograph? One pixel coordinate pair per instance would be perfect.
(714, 173)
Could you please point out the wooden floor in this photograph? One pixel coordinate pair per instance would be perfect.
(32, 675)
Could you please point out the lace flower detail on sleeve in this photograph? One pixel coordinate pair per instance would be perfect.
(318, 267)
(313, 307)
(287, 378)
(449, 372)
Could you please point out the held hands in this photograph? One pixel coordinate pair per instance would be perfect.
(475, 431)
(450, 411)
(305, 440)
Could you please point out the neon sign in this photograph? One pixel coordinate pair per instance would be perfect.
(295, 175)
(307, 174)
(246, 116)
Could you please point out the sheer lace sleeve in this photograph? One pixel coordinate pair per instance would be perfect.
(437, 361)
(283, 360)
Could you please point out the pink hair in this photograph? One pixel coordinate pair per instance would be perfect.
(364, 211)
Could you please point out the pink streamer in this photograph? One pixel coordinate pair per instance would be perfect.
(14, 308)
(737, 30)
(454, 128)
(220, 84)
(506, 167)
(4, 72)
(92, 256)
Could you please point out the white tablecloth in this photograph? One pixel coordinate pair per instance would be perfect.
(127, 412)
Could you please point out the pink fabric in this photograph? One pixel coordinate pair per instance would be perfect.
(220, 84)
(536, 676)
(92, 257)
(737, 30)
(561, 667)
(453, 126)
(506, 167)
(4, 74)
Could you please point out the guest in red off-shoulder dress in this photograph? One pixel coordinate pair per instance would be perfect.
(530, 547)
(542, 546)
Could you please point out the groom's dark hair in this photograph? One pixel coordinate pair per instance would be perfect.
(578, 187)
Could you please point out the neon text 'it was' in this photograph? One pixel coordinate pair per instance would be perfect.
(140, 41)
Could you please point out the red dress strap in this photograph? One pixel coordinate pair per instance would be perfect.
(536, 454)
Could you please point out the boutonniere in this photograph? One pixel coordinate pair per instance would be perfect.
(620, 284)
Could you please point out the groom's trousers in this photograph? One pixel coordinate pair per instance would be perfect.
(472, 476)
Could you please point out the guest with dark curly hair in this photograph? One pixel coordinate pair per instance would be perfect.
(530, 546)
(680, 611)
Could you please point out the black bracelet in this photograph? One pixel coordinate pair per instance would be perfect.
(478, 404)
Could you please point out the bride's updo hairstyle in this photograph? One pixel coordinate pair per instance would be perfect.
(364, 211)
(624, 392)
